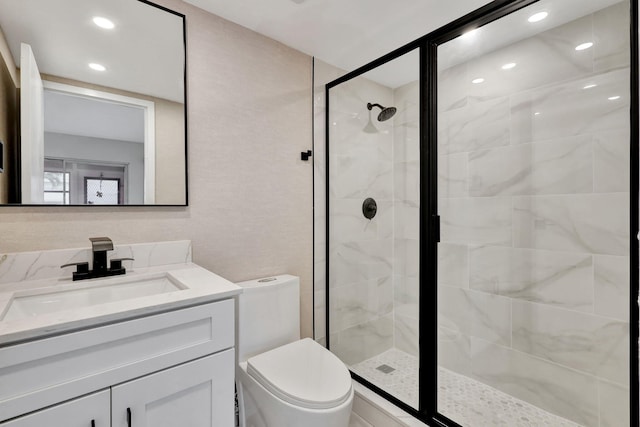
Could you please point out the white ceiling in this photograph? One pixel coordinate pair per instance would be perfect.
(344, 33)
(352, 33)
(81, 116)
(143, 54)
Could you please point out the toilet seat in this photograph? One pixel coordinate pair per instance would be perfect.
(302, 373)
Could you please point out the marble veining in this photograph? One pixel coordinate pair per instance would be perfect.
(556, 167)
(192, 285)
(479, 125)
(556, 278)
(590, 223)
(360, 342)
(549, 386)
(22, 266)
(476, 220)
(533, 195)
(533, 187)
(590, 111)
(611, 166)
(611, 280)
(453, 265)
(592, 344)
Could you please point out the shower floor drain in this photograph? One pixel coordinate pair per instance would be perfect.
(385, 369)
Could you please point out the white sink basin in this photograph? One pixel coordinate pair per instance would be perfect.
(34, 303)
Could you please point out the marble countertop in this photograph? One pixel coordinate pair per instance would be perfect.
(199, 286)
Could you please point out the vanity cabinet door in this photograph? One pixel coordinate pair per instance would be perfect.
(199, 393)
(88, 411)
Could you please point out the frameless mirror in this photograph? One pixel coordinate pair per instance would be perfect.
(92, 103)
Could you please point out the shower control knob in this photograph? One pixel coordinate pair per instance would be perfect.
(369, 208)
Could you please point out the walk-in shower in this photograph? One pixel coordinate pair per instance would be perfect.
(495, 285)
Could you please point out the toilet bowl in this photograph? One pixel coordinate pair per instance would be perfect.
(282, 380)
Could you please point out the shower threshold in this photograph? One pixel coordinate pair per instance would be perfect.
(468, 402)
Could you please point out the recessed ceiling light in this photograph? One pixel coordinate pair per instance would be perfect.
(478, 80)
(613, 98)
(537, 17)
(97, 67)
(537, 113)
(584, 46)
(590, 85)
(509, 66)
(103, 22)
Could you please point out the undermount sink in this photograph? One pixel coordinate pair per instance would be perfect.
(34, 303)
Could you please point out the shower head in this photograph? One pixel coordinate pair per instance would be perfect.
(385, 114)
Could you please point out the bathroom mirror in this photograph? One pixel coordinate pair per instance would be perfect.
(99, 90)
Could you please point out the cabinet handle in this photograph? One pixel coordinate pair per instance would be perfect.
(129, 417)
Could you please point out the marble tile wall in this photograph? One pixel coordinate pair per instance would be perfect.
(406, 158)
(374, 274)
(361, 250)
(37, 265)
(534, 200)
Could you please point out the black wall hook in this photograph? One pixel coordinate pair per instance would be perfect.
(305, 155)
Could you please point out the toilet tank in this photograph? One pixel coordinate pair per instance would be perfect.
(267, 314)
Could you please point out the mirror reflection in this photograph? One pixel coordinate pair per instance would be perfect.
(92, 104)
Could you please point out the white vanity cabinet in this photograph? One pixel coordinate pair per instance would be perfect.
(88, 411)
(162, 370)
(196, 394)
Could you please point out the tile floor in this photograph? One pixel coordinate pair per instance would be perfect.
(468, 402)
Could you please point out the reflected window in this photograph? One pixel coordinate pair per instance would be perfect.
(82, 182)
(102, 191)
(56, 182)
(56, 187)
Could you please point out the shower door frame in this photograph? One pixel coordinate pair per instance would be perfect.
(430, 221)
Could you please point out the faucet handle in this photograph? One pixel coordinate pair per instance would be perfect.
(116, 263)
(82, 269)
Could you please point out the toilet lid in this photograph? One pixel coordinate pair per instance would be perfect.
(302, 373)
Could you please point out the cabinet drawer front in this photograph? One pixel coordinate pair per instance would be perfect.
(40, 373)
(79, 412)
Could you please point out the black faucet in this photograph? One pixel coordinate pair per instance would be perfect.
(99, 247)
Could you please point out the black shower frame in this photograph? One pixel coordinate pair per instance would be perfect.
(430, 222)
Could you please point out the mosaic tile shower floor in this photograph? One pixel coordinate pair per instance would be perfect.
(468, 402)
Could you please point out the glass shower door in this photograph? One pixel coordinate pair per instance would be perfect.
(373, 225)
(534, 199)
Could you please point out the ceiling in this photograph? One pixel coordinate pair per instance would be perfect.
(82, 116)
(343, 33)
(144, 53)
(349, 34)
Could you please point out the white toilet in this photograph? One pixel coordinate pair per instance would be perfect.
(284, 381)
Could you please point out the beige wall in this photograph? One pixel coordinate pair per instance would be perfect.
(250, 208)
(8, 114)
